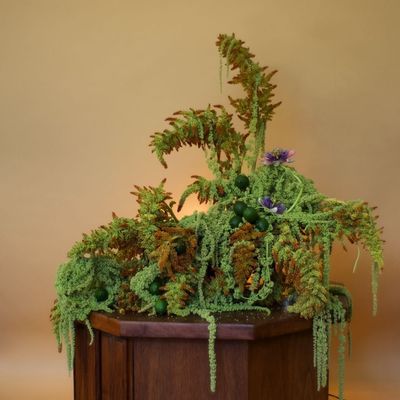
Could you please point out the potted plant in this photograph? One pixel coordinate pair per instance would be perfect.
(264, 242)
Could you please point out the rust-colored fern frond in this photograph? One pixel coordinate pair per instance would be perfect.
(251, 76)
(127, 300)
(155, 203)
(175, 250)
(207, 129)
(247, 232)
(245, 242)
(206, 190)
(244, 262)
(299, 267)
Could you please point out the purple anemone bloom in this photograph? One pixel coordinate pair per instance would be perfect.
(278, 156)
(277, 208)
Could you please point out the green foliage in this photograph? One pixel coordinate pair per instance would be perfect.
(212, 335)
(140, 285)
(256, 84)
(155, 209)
(205, 263)
(119, 239)
(257, 107)
(210, 129)
(344, 294)
(207, 190)
(178, 291)
(333, 314)
(77, 281)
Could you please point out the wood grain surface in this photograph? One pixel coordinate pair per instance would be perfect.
(231, 326)
(137, 357)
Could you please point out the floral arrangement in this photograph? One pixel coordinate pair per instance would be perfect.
(264, 242)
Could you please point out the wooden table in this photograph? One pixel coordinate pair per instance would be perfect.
(136, 357)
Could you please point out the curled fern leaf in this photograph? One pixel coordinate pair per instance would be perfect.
(251, 76)
(207, 129)
(257, 107)
(206, 191)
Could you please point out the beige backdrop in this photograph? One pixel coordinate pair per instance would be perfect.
(84, 83)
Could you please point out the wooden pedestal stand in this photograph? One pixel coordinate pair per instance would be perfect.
(136, 357)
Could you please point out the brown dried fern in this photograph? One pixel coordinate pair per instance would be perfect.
(245, 240)
(166, 255)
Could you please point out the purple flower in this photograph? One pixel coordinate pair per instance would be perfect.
(278, 156)
(277, 208)
(266, 202)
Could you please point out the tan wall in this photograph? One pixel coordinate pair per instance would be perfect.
(84, 83)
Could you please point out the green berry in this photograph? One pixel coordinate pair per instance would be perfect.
(239, 207)
(101, 294)
(242, 182)
(180, 246)
(250, 214)
(235, 221)
(262, 225)
(160, 307)
(154, 287)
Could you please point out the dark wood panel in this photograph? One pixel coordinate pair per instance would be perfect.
(86, 365)
(268, 366)
(178, 369)
(281, 368)
(130, 369)
(114, 368)
(231, 326)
